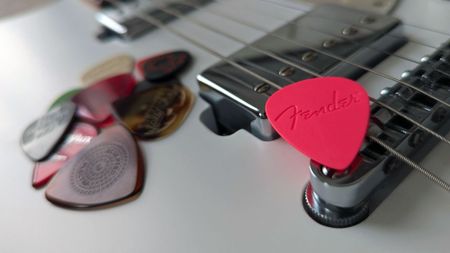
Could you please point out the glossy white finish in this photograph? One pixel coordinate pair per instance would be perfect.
(203, 193)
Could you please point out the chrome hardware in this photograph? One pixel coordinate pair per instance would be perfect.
(262, 88)
(406, 74)
(349, 31)
(309, 56)
(385, 91)
(329, 43)
(286, 71)
(425, 58)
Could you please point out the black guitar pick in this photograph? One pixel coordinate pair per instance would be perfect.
(39, 138)
(163, 66)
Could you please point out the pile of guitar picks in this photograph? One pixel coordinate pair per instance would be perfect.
(85, 146)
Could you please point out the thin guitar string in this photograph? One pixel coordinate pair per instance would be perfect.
(385, 76)
(297, 8)
(292, 64)
(405, 24)
(400, 156)
(440, 137)
(262, 29)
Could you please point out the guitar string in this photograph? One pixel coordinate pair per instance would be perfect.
(157, 23)
(319, 51)
(262, 29)
(297, 8)
(405, 24)
(386, 76)
(292, 64)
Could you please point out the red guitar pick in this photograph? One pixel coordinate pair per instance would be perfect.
(76, 140)
(94, 102)
(324, 118)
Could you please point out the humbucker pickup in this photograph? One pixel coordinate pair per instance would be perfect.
(238, 99)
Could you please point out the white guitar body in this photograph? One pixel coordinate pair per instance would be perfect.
(203, 192)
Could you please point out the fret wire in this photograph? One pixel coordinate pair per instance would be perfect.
(262, 29)
(411, 163)
(304, 10)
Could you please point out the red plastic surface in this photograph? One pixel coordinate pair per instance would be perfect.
(324, 118)
(76, 140)
(94, 102)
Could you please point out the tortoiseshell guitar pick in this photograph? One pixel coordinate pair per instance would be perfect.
(155, 112)
(95, 101)
(106, 171)
(80, 135)
(163, 66)
(117, 65)
(42, 136)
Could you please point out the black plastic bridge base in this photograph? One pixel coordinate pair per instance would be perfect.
(329, 215)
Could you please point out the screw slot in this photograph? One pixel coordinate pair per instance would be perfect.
(286, 71)
(309, 56)
(349, 31)
(262, 88)
(329, 43)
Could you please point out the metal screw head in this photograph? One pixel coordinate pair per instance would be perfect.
(368, 20)
(425, 58)
(405, 74)
(309, 56)
(349, 31)
(391, 164)
(439, 115)
(329, 43)
(385, 91)
(286, 71)
(416, 138)
(262, 88)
